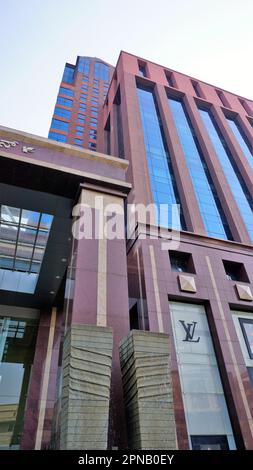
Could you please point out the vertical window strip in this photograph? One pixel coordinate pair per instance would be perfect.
(161, 173)
(242, 140)
(235, 181)
(210, 207)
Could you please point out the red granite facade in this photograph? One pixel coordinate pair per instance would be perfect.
(139, 280)
(86, 90)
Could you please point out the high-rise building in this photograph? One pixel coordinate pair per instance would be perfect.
(76, 119)
(129, 326)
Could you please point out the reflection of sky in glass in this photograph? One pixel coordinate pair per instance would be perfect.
(242, 141)
(249, 332)
(11, 377)
(23, 238)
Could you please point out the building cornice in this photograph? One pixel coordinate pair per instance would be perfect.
(70, 150)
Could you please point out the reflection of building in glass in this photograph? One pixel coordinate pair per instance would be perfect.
(8, 415)
(17, 342)
(23, 241)
(101, 339)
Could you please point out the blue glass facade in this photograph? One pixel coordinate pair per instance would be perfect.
(57, 124)
(64, 101)
(58, 137)
(101, 71)
(66, 91)
(83, 65)
(242, 140)
(62, 112)
(68, 74)
(78, 141)
(162, 178)
(212, 213)
(236, 183)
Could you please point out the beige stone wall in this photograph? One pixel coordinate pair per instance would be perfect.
(145, 365)
(87, 361)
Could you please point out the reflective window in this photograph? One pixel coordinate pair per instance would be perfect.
(93, 134)
(209, 442)
(68, 74)
(78, 141)
(17, 344)
(204, 401)
(64, 101)
(92, 145)
(161, 174)
(81, 121)
(242, 140)
(81, 116)
(62, 112)
(247, 330)
(83, 65)
(101, 71)
(209, 205)
(66, 91)
(79, 128)
(142, 70)
(56, 136)
(170, 78)
(57, 124)
(236, 183)
(243, 322)
(23, 240)
(196, 88)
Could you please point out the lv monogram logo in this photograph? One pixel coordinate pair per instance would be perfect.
(189, 331)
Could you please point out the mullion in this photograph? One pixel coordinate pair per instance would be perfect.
(34, 245)
(16, 247)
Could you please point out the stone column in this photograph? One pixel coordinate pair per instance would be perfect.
(145, 365)
(98, 296)
(87, 362)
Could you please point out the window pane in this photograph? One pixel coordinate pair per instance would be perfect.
(159, 161)
(30, 218)
(211, 210)
(235, 181)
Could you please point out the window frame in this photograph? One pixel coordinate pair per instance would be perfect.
(244, 333)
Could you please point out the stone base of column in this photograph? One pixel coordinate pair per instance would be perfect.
(145, 366)
(86, 369)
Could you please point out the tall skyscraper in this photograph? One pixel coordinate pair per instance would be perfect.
(143, 339)
(77, 117)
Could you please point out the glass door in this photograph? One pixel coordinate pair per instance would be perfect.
(17, 344)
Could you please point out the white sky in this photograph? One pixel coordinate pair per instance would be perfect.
(211, 40)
